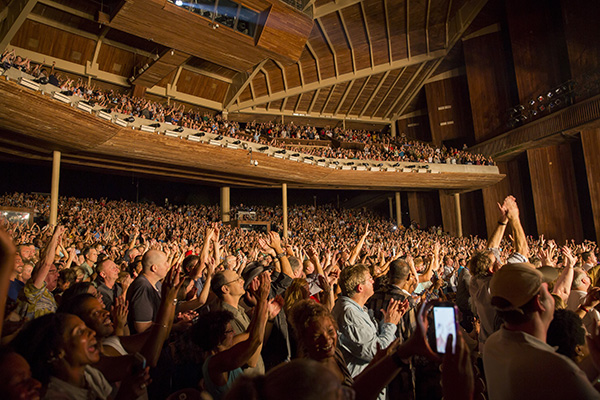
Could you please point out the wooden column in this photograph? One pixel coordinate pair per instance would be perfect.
(285, 210)
(458, 216)
(590, 141)
(555, 193)
(54, 187)
(398, 210)
(225, 206)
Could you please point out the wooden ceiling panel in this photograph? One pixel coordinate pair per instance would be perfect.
(437, 24)
(397, 26)
(259, 84)
(309, 67)
(211, 67)
(167, 79)
(168, 62)
(211, 89)
(290, 104)
(354, 22)
(335, 32)
(321, 99)
(54, 42)
(417, 14)
(366, 93)
(274, 105)
(378, 93)
(246, 94)
(119, 61)
(305, 101)
(321, 48)
(60, 17)
(336, 98)
(355, 90)
(275, 77)
(375, 15)
(292, 75)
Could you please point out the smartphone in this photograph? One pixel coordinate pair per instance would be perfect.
(138, 364)
(445, 323)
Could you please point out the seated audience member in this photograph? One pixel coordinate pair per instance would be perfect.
(519, 349)
(224, 359)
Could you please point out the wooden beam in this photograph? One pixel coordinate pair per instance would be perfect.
(387, 29)
(428, 9)
(209, 74)
(446, 25)
(407, 30)
(362, 88)
(252, 90)
(331, 48)
(368, 103)
(334, 6)
(337, 109)
(314, 55)
(406, 87)
(364, 17)
(68, 10)
(301, 74)
(283, 104)
(327, 99)
(343, 78)
(341, 16)
(322, 116)
(17, 12)
(312, 102)
(421, 79)
(385, 96)
(283, 77)
(297, 103)
(266, 80)
(240, 83)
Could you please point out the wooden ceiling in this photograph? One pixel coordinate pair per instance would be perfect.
(345, 59)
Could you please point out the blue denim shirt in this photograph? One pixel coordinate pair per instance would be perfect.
(360, 334)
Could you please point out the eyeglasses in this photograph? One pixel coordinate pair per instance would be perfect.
(239, 278)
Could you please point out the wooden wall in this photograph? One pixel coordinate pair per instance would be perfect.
(449, 110)
(582, 35)
(473, 215)
(590, 141)
(491, 84)
(447, 206)
(538, 46)
(555, 192)
(424, 208)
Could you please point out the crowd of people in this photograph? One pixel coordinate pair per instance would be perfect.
(367, 145)
(125, 300)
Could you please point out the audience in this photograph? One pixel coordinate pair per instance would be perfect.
(208, 299)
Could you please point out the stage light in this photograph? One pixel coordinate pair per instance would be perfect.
(178, 3)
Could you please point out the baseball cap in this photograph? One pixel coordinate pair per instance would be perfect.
(516, 284)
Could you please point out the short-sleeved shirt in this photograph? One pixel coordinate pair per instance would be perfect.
(34, 302)
(144, 301)
(108, 294)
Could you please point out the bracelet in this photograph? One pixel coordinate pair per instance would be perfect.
(175, 301)
(503, 224)
(584, 309)
(280, 255)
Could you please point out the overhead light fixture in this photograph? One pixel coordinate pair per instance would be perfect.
(178, 3)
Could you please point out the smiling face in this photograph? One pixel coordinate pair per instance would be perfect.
(80, 344)
(320, 338)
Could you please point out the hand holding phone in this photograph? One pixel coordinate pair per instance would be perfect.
(445, 323)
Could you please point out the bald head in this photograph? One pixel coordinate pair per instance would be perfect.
(155, 262)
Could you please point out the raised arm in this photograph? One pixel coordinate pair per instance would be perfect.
(275, 244)
(356, 250)
(43, 266)
(7, 265)
(562, 288)
(496, 237)
(512, 212)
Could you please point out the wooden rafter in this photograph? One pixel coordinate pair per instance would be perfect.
(364, 17)
(407, 29)
(297, 103)
(348, 40)
(314, 55)
(331, 48)
(385, 96)
(332, 7)
(428, 9)
(337, 109)
(403, 93)
(344, 78)
(283, 77)
(240, 83)
(387, 29)
(314, 99)
(360, 91)
(266, 80)
(327, 99)
(368, 103)
(283, 103)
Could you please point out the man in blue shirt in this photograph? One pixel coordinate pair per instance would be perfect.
(360, 336)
